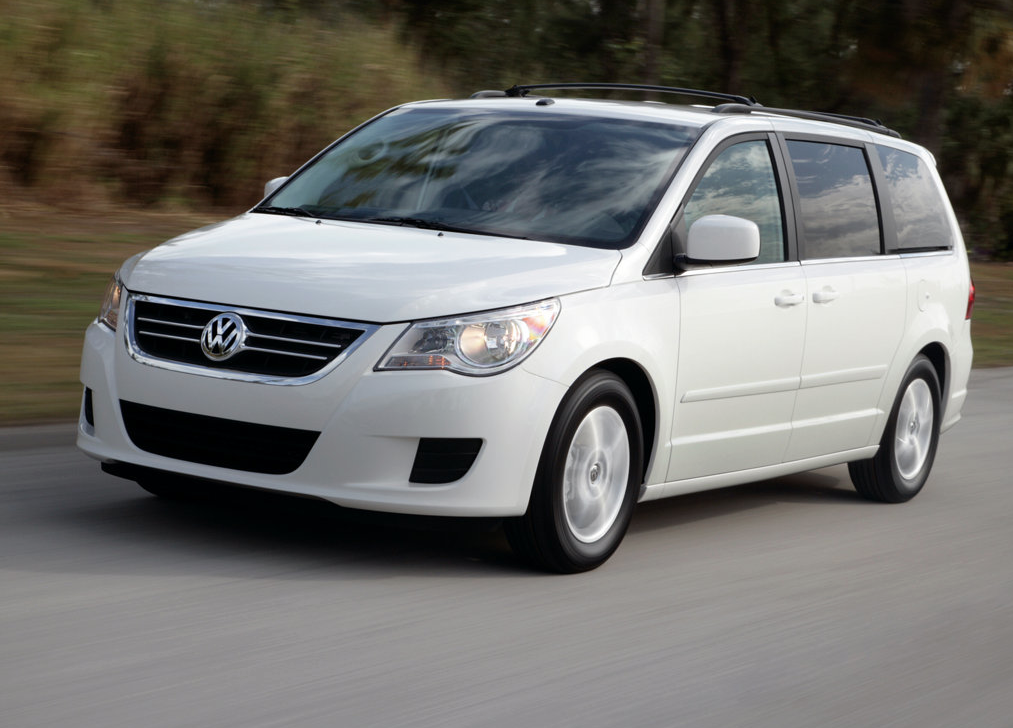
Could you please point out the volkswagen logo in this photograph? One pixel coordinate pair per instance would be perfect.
(223, 336)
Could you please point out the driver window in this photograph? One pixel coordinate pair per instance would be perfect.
(741, 182)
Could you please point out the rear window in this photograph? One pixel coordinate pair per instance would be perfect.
(918, 207)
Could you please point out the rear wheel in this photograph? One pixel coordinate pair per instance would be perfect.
(908, 448)
(587, 481)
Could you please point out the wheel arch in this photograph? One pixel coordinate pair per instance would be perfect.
(634, 376)
(937, 355)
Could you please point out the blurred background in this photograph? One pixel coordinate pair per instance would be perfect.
(124, 122)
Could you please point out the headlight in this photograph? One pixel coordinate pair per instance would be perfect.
(110, 312)
(485, 343)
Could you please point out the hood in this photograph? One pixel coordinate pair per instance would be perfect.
(361, 271)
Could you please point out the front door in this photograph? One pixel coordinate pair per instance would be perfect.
(742, 329)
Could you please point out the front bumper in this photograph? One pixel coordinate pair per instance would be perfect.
(370, 424)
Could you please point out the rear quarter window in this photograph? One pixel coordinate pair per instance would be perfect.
(919, 211)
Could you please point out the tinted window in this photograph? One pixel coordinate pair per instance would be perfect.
(838, 215)
(741, 182)
(918, 208)
(534, 174)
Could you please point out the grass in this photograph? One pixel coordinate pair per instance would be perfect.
(54, 268)
(53, 271)
(992, 321)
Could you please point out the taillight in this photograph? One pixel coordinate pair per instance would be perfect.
(970, 302)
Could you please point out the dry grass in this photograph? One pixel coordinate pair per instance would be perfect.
(156, 102)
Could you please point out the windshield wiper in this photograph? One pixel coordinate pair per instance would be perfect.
(419, 222)
(424, 224)
(293, 211)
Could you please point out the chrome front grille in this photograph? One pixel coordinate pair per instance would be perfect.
(276, 348)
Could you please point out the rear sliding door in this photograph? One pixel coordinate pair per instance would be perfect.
(855, 297)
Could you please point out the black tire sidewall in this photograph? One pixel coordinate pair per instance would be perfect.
(921, 368)
(595, 390)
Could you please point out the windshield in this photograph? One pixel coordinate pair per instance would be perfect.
(530, 174)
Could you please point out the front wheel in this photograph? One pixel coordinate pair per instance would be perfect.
(587, 481)
(908, 448)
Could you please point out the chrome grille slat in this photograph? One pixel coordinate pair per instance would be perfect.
(170, 336)
(160, 322)
(298, 341)
(279, 348)
(285, 353)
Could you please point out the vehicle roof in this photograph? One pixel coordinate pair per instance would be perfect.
(689, 115)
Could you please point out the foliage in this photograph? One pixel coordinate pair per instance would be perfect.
(940, 71)
(200, 101)
(189, 100)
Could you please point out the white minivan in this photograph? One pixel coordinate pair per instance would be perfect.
(546, 309)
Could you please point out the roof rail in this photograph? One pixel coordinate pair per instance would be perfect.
(523, 90)
(857, 122)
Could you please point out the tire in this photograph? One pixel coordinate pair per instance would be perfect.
(588, 479)
(908, 448)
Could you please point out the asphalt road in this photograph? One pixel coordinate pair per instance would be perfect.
(783, 603)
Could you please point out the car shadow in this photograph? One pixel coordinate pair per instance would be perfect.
(241, 529)
(830, 486)
(248, 531)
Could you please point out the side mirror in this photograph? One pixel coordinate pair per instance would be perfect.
(723, 239)
(274, 184)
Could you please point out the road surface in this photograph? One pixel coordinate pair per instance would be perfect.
(783, 603)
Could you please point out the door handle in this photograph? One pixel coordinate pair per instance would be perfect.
(788, 298)
(827, 295)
